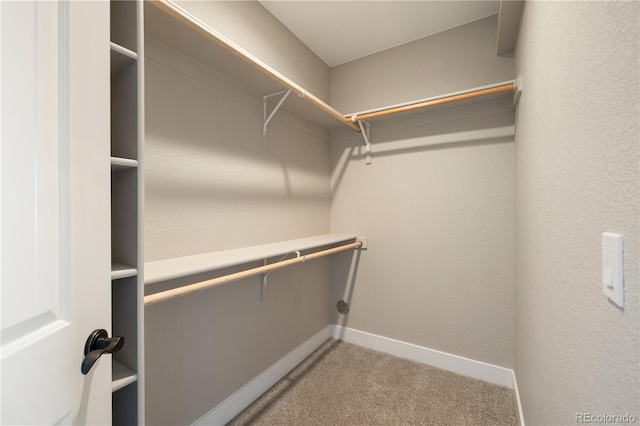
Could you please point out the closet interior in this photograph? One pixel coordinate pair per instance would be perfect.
(172, 45)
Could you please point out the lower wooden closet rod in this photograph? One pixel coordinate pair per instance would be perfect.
(181, 291)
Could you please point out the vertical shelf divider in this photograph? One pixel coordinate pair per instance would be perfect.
(127, 197)
(140, 218)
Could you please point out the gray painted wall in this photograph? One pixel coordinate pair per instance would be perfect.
(200, 349)
(210, 186)
(437, 203)
(453, 60)
(576, 176)
(253, 28)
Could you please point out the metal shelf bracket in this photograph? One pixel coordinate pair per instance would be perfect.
(265, 279)
(266, 118)
(364, 130)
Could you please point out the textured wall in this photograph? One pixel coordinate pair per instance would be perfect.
(253, 28)
(457, 59)
(437, 203)
(210, 186)
(200, 349)
(437, 206)
(576, 176)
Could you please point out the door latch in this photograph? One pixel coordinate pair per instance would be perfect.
(99, 343)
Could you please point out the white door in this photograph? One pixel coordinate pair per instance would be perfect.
(55, 211)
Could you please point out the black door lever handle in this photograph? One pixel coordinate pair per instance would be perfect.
(99, 343)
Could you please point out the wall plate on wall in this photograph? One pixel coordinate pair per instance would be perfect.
(343, 307)
(365, 242)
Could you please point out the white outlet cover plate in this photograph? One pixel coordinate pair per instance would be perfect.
(613, 268)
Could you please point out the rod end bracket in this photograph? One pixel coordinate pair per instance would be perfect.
(364, 241)
(518, 92)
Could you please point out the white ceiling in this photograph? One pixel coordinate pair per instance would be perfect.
(340, 31)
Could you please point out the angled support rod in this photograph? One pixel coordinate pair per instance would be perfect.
(266, 119)
(364, 130)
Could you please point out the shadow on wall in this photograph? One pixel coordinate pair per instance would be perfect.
(203, 347)
(285, 385)
(204, 140)
(209, 184)
(481, 124)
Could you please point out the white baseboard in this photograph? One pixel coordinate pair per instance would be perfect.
(518, 402)
(457, 364)
(232, 406)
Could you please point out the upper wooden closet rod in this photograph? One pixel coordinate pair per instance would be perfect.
(203, 29)
(432, 102)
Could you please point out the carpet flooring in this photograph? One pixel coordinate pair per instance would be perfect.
(344, 384)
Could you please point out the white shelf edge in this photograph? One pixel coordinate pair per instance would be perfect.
(123, 51)
(163, 270)
(122, 271)
(123, 162)
(121, 58)
(118, 164)
(121, 376)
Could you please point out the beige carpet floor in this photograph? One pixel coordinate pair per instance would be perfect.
(344, 384)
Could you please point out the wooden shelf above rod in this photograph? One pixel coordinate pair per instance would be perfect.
(178, 14)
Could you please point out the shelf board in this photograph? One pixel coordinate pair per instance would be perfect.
(163, 270)
(122, 271)
(194, 39)
(121, 58)
(121, 376)
(118, 164)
